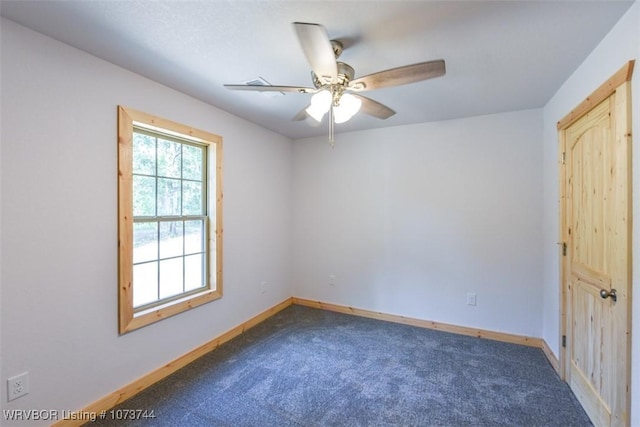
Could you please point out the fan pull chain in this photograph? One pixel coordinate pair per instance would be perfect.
(331, 127)
(331, 119)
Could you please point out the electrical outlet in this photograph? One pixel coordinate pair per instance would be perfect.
(332, 280)
(471, 298)
(263, 287)
(18, 386)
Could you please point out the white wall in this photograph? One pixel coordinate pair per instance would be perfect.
(58, 211)
(618, 47)
(411, 218)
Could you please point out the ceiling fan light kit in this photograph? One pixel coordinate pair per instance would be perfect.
(320, 104)
(334, 81)
(344, 107)
(347, 107)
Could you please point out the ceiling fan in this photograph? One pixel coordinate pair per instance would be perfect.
(335, 89)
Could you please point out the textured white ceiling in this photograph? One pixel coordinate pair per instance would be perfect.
(500, 55)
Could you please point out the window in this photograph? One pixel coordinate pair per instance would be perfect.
(170, 218)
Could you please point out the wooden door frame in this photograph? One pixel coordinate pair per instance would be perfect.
(622, 76)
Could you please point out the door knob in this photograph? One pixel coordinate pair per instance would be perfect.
(609, 294)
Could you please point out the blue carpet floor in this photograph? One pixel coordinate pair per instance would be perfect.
(308, 367)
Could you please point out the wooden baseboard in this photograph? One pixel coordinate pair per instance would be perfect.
(151, 378)
(461, 330)
(553, 360)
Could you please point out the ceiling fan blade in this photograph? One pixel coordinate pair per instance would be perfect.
(302, 115)
(317, 48)
(374, 108)
(399, 76)
(269, 88)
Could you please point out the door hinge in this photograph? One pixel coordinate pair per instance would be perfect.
(564, 340)
(564, 248)
(563, 157)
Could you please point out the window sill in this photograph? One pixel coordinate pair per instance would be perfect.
(152, 315)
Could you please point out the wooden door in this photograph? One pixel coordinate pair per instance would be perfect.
(597, 256)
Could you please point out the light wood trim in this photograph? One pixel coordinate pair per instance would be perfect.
(128, 320)
(600, 94)
(553, 360)
(625, 187)
(170, 309)
(125, 218)
(160, 124)
(151, 378)
(428, 324)
(564, 239)
(219, 212)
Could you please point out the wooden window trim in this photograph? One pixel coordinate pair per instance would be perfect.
(128, 319)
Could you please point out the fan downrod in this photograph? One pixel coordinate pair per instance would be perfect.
(337, 47)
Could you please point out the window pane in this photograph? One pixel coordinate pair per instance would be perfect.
(144, 154)
(170, 239)
(145, 283)
(193, 237)
(192, 162)
(193, 272)
(170, 277)
(144, 196)
(169, 158)
(168, 197)
(192, 198)
(145, 241)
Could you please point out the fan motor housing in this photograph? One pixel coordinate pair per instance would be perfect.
(345, 75)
